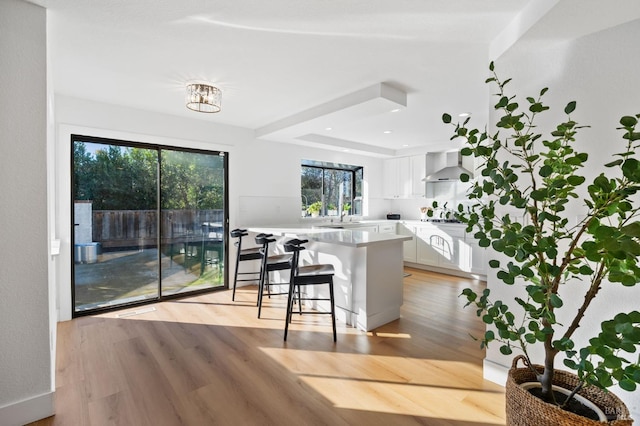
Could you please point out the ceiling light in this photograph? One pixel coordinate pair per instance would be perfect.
(464, 114)
(329, 128)
(405, 145)
(203, 97)
(395, 110)
(386, 132)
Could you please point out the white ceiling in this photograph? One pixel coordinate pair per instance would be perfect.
(291, 68)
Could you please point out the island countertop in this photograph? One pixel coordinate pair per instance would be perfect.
(344, 237)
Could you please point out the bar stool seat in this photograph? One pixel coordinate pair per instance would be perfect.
(323, 269)
(308, 275)
(244, 254)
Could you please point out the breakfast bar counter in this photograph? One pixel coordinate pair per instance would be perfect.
(368, 270)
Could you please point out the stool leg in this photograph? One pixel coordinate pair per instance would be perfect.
(235, 277)
(290, 299)
(268, 284)
(333, 309)
(263, 273)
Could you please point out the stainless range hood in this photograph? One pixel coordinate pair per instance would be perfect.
(449, 173)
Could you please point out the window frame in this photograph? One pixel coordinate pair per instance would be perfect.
(356, 172)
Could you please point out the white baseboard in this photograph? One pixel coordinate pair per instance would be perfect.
(494, 372)
(28, 410)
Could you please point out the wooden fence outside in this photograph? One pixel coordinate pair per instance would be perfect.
(139, 228)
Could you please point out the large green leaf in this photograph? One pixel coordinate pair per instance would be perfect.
(545, 171)
(571, 106)
(555, 300)
(628, 385)
(628, 121)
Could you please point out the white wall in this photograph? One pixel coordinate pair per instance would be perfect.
(599, 71)
(26, 333)
(264, 176)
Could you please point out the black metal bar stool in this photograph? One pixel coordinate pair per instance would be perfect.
(252, 253)
(278, 262)
(306, 276)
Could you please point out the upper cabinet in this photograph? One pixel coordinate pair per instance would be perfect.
(418, 172)
(402, 177)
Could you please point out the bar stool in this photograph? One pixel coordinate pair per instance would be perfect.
(278, 262)
(308, 275)
(252, 253)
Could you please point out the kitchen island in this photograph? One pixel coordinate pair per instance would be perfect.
(368, 270)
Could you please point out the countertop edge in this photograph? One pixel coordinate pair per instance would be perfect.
(344, 237)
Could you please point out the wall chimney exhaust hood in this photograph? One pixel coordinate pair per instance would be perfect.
(450, 173)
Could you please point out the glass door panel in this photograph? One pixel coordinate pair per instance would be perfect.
(115, 225)
(192, 193)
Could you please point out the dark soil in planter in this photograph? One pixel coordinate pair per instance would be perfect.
(573, 406)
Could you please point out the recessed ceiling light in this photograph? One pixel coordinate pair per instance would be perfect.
(405, 145)
(345, 150)
(329, 128)
(386, 132)
(464, 114)
(395, 110)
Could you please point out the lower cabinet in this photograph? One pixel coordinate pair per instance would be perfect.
(444, 246)
(425, 253)
(440, 246)
(409, 247)
(479, 261)
(387, 228)
(369, 228)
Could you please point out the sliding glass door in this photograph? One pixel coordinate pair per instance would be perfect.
(192, 212)
(148, 222)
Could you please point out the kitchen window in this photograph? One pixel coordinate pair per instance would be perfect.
(330, 189)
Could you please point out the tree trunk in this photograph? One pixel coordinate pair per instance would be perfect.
(546, 380)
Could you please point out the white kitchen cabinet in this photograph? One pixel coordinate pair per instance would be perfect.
(448, 244)
(426, 254)
(409, 247)
(444, 247)
(390, 178)
(418, 172)
(369, 228)
(402, 177)
(387, 228)
(440, 246)
(479, 262)
(395, 172)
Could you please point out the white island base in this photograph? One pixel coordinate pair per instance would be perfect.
(368, 272)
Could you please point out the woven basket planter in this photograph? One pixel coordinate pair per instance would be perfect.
(524, 409)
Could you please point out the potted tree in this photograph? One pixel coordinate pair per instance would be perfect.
(521, 206)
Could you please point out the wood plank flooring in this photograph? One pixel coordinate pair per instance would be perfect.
(209, 361)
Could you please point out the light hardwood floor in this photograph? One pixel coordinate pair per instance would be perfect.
(209, 361)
